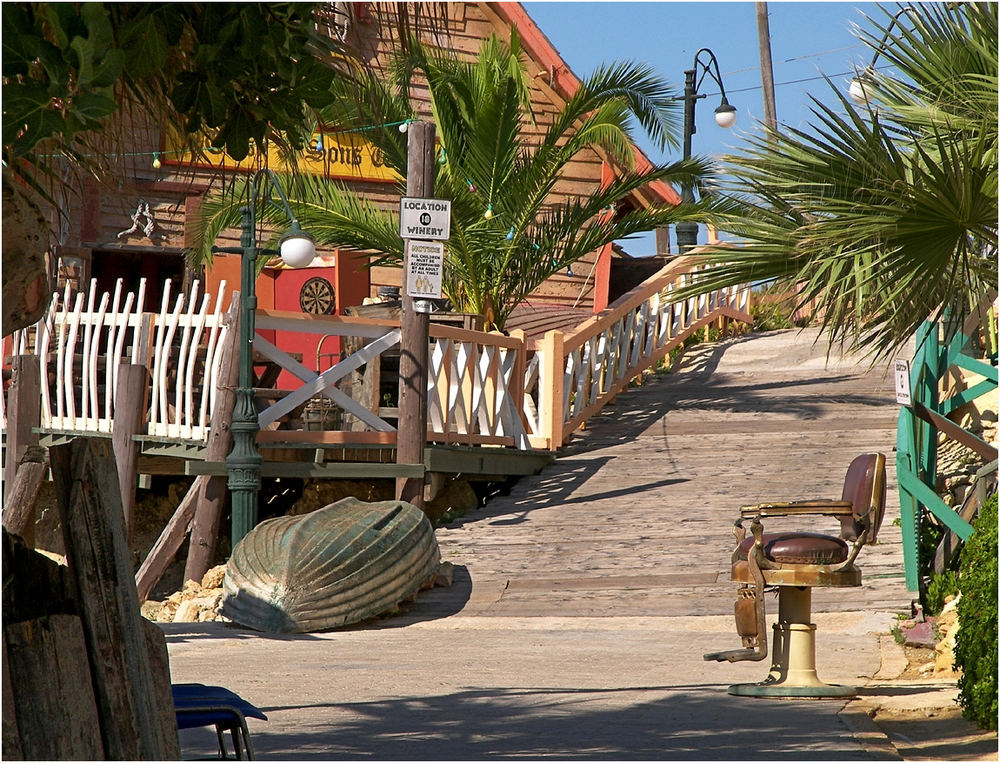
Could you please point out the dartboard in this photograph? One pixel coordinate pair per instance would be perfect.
(317, 297)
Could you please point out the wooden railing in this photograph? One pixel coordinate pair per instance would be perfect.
(570, 377)
(483, 388)
(84, 341)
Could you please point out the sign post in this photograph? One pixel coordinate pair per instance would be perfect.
(422, 221)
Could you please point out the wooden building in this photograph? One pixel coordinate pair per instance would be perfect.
(139, 229)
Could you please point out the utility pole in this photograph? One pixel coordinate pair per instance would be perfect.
(766, 69)
(412, 433)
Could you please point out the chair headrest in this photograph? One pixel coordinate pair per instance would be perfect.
(864, 487)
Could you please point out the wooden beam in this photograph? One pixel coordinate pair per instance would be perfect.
(168, 544)
(86, 482)
(23, 411)
(129, 415)
(210, 494)
(51, 696)
(954, 432)
(19, 505)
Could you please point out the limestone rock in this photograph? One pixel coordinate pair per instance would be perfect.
(187, 612)
(214, 577)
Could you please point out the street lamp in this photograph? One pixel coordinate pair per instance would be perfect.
(725, 116)
(297, 248)
(857, 89)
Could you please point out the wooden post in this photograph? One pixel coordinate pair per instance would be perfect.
(86, 482)
(40, 693)
(412, 434)
(23, 411)
(210, 493)
(550, 388)
(129, 414)
(766, 69)
(168, 544)
(19, 504)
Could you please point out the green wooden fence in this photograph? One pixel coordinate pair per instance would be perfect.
(939, 348)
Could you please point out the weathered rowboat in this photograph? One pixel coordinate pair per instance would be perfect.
(338, 565)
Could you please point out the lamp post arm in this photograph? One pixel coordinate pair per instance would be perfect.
(880, 48)
(707, 69)
(284, 199)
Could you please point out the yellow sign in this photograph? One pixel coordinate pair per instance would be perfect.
(346, 156)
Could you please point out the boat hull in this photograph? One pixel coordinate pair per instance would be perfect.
(342, 564)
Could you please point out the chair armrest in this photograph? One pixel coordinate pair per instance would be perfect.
(793, 508)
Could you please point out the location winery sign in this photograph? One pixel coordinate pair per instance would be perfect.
(428, 219)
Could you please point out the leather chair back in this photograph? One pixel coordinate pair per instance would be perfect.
(864, 487)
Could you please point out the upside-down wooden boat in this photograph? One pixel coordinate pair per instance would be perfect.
(338, 565)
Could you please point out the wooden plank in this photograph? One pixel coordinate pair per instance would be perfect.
(23, 412)
(168, 544)
(210, 494)
(953, 431)
(34, 585)
(19, 504)
(310, 470)
(129, 415)
(53, 699)
(86, 482)
(11, 737)
(340, 439)
(159, 666)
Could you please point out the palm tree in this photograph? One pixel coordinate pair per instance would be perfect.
(884, 214)
(507, 235)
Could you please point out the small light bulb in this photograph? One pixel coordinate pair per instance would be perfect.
(488, 214)
(402, 127)
(510, 233)
(569, 270)
(319, 142)
(156, 162)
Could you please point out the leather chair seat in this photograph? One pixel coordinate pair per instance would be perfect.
(799, 548)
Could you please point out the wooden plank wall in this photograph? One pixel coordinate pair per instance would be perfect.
(99, 214)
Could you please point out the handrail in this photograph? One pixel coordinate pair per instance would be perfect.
(483, 388)
(572, 376)
(920, 423)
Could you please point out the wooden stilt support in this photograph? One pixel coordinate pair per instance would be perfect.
(19, 506)
(129, 414)
(210, 494)
(23, 411)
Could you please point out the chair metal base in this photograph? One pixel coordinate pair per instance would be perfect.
(793, 666)
(764, 689)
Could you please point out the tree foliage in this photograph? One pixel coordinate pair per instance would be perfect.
(976, 642)
(885, 214)
(231, 72)
(507, 234)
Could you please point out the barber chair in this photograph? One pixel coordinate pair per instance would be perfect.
(792, 563)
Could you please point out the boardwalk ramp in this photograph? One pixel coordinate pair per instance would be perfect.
(633, 518)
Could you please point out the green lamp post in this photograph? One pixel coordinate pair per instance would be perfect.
(725, 116)
(297, 249)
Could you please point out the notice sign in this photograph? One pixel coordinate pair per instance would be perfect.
(424, 264)
(424, 218)
(903, 382)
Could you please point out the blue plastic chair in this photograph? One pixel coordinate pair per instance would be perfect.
(197, 705)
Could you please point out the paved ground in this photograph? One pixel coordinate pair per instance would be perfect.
(584, 600)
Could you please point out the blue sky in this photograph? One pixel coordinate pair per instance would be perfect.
(808, 40)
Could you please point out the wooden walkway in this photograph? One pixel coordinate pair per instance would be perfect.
(634, 516)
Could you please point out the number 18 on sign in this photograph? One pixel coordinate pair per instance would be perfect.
(424, 264)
